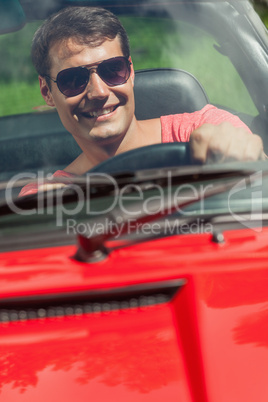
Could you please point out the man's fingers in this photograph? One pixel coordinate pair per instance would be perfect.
(244, 147)
(225, 143)
(208, 143)
(199, 141)
(50, 186)
(254, 149)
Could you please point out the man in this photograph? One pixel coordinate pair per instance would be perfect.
(85, 70)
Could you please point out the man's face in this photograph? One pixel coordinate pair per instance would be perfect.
(101, 113)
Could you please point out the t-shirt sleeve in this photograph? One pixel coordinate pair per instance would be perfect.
(32, 188)
(178, 127)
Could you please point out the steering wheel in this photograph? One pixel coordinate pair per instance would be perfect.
(149, 157)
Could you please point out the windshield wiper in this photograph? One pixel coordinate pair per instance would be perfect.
(92, 242)
(102, 185)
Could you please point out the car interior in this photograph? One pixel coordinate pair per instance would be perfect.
(50, 147)
(42, 143)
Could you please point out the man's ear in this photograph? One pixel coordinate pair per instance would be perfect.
(132, 72)
(45, 92)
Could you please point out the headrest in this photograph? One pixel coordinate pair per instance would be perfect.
(164, 91)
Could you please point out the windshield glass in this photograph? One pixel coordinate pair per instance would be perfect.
(167, 41)
(221, 46)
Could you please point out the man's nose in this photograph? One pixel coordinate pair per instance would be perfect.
(96, 88)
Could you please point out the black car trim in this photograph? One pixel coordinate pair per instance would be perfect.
(94, 301)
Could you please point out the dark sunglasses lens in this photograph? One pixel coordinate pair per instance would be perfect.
(114, 71)
(72, 81)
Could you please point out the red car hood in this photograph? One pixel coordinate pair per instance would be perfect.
(128, 337)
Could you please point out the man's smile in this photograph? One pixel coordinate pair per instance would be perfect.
(98, 112)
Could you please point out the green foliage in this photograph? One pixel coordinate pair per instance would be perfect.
(15, 56)
(19, 97)
(19, 89)
(167, 43)
(262, 9)
(148, 40)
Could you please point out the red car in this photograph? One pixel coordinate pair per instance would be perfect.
(146, 279)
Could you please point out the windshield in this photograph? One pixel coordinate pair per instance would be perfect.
(155, 42)
(219, 49)
(178, 36)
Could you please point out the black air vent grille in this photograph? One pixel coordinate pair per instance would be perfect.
(76, 304)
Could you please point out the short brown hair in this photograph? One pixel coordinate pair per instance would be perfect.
(86, 25)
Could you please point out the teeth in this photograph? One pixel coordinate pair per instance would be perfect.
(101, 112)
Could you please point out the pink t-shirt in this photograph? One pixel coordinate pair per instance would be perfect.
(178, 127)
(174, 128)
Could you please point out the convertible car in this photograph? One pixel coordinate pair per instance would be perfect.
(147, 278)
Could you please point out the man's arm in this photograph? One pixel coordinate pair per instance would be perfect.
(215, 135)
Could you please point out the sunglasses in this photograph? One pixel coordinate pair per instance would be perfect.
(73, 81)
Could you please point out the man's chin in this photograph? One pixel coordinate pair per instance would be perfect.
(106, 139)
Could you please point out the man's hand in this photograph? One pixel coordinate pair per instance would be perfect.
(225, 143)
(51, 186)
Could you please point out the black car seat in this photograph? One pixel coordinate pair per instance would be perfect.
(164, 91)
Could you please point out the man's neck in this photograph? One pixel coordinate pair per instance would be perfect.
(141, 133)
